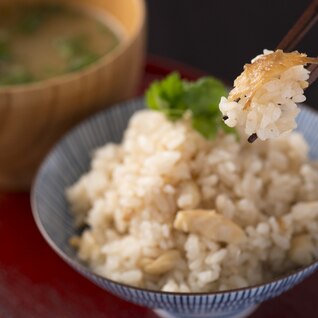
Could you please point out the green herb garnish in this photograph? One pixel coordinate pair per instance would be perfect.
(81, 61)
(76, 52)
(4, 47)
(33, 17)
(71, 46)
(174, 97)
(15, 75)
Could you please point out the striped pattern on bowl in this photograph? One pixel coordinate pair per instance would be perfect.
(71, 157)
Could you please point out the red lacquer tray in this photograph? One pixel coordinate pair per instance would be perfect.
(36, 283)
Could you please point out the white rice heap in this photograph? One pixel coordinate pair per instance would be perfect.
(273, 108)
(149, 205)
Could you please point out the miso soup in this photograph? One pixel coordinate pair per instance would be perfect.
(43, 41)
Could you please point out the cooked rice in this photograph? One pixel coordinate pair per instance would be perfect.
(272, 110)
(134, 190)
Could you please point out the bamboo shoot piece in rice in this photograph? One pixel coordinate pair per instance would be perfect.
(209, 224)
(164, 263)
(264, 98)
(302, 250)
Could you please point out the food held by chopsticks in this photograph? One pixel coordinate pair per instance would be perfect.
(265, 96)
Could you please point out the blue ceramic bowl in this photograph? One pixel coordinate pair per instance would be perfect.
(71, 157)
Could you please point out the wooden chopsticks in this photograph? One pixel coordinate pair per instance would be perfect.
(313, 68)
(302, 26)
(306, 21)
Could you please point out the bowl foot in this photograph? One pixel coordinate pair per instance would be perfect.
(234, 314)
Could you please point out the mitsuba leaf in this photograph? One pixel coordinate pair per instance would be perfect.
(203, 96)
(174, 96)
(167, 96)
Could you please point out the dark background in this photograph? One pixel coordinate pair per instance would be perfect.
(221, 36)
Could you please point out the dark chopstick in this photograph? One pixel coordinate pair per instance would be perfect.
(302, 26)
(306, 21)
(313, 68)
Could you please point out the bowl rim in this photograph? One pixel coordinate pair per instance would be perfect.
(103, 61)
(78, 266)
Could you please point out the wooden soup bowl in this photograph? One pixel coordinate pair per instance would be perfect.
(33, 116)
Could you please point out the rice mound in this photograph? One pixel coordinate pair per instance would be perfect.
(273, 109)
(134, 191)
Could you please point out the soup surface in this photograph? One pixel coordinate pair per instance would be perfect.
(43, 41)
